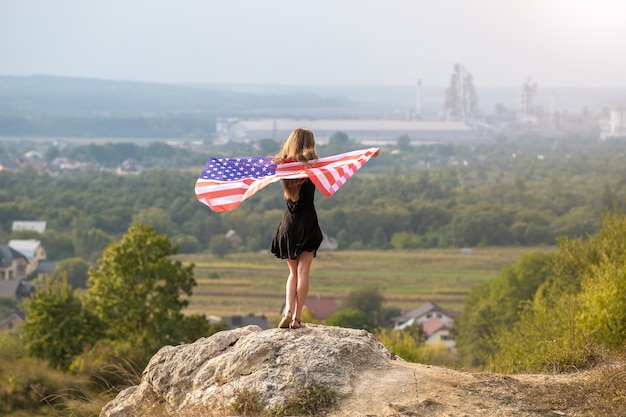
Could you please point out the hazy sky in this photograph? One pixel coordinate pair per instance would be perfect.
(559, 43)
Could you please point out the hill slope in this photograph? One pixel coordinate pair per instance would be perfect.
(249, 371)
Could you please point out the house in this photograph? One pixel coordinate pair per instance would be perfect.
(11, 322)
(36, 226)
(129, 166)
(328, 243)
(233, 238)
(45, 268)
(435, 322)
(235, 322)
(13, 265)
(9, 165)
(320, 307)
(438, 331)
(32, 249)
(16, 289)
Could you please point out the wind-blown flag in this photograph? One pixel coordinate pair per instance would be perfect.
(226, 182)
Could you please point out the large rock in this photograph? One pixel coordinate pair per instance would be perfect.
(206, 376)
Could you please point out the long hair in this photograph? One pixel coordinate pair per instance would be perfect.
(299, 147)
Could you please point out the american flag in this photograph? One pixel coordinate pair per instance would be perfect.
(226, 182)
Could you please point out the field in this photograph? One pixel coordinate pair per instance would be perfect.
(254, 282)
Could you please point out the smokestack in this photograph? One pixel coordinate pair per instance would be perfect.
(418, 100)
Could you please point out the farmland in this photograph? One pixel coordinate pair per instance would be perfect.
(254, 282)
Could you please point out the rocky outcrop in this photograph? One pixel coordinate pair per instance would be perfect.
(207, 376)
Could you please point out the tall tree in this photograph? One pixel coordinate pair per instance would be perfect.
(369, 301)
(136, 290)
(57, 327)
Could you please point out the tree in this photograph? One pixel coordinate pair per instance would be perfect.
(75, 270)
(135, 291)
(497, 305)
(339, 139)
(7, 306)
(269, 146)
(157, 218)
(577, 314)
(57, 327)
(369, 301)
(339, 142)
(404, 143)
(351, 318)
(219, 245)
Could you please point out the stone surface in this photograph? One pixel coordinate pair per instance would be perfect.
(205, 377)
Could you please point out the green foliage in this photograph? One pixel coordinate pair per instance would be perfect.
(369, 301)
(438, 354)
(405, 240)
(75, 270)
(576, 317)
(351, 318)
(482, 224)
(497, 305)
(57, 326)
(111, 366)
(407, 344)
(7, 306)
(157, 218)
(247, 403)
(188, 244)
(219, 246)
(602, 315)
(29, 384)
(310, 399)
(135, 291)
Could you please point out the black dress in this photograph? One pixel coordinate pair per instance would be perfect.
(299, 230)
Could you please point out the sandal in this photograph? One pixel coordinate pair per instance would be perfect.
(285, 322)
(296, 323)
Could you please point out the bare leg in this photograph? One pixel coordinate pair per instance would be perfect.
(304, 262)
(291, 286)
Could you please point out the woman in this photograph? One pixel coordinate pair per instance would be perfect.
(298, 236)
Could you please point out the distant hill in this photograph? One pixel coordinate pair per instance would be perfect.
(82, 96)
(63, 106)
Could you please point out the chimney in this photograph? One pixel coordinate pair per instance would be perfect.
(418, 100)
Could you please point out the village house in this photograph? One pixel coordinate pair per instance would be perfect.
(32, 250)
(16, 289)
(9, 165)
(27, 225)
(435, 322)
(11, 322)
(13, 265)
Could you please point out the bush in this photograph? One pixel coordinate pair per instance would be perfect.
(27, 383)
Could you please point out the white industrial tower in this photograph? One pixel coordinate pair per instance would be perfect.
(526, 110)
(418, 100)
(461, 101)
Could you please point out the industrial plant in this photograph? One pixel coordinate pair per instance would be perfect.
(460, 118)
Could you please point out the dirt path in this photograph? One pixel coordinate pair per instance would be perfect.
(408, 389)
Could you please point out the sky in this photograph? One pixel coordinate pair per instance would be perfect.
(502, 43)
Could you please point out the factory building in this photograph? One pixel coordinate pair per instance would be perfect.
(364, 131)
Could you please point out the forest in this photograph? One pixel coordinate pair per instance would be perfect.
(512, 191)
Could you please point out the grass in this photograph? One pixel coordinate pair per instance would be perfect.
(254, 282)
(601, 394)
(310, 399)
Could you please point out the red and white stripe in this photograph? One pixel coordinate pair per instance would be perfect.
(328, 174)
